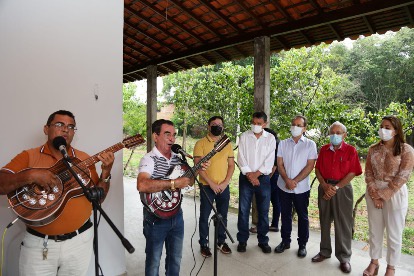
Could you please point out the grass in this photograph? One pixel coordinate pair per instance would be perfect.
(358, 183)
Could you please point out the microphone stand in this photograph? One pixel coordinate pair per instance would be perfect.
(94, 195)
(217, 217)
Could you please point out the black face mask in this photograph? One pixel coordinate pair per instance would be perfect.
(216, 130)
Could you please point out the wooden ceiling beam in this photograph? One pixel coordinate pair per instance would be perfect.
(281, 42)
(125, 53)
(128, 78)
(306, 37)
(135, 49)
(409, 14)
(222, 55)
(210, 61)
(336, 16)
(368, 24)
(248, 11)
(128, 8)
(316, 6)
(194, 62)
(219, 15)
(338, 36)
(281, 10)
(177, 24)
(188, 13)
(164, 71)
(150, 37)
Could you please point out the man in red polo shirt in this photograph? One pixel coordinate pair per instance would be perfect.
(337, 165)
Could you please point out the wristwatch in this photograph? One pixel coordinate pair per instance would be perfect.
(106, 180)
(336, 187)
(172, 185)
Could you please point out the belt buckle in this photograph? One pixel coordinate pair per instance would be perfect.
(64, 237)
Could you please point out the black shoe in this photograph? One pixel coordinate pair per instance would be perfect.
(273, 228)
(241, 247)
(265, 247)
(205, 251)
(281, 247)
(302, 251)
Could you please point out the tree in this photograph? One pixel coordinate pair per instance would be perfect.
(134, 112)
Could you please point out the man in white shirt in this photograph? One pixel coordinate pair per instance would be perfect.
(296, 158)
(256, 158)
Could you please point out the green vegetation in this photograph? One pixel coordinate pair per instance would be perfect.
(356, 86)
(361, 220)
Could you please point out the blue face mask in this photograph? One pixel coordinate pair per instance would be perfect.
(335, 139)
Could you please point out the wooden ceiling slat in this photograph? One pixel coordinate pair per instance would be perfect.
(147, 44)
(191, 33)
(161, 30)
(219, 15)
(190, 15)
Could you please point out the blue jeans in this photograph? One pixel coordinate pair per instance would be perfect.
(262, 193)
(222, 205)
(156, 232)
(274, 198)
(301, 203)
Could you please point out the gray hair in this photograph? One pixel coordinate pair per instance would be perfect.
(337, 123)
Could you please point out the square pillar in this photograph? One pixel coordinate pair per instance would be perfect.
(151, 103)
(262, 74)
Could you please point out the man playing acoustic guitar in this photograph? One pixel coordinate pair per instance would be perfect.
(64, 245)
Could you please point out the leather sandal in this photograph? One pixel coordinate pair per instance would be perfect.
(390, 271)
(367, 271)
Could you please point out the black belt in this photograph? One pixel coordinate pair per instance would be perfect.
(332, 181)
(62, 237)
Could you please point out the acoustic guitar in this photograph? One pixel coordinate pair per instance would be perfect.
(165, 204)
(37, 207)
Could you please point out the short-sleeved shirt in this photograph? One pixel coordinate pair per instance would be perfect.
(336, 164)
(77, 210)
(217, 171)
(156, 164)
(295, 158)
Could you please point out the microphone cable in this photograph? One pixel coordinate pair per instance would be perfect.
(2, 244)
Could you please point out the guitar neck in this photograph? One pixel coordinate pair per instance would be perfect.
(94, 159)
(196, 167)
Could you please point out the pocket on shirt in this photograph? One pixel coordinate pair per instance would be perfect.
(345, 165)
(399, 201)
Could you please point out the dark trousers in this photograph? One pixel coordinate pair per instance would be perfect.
(301, 203)
(338, 210)
(222, 206)
(274, 198)
(262, 193)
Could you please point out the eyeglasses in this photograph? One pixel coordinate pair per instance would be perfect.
(61, 126)
(298, 125)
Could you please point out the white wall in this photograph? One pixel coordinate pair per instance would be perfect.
(57, 55)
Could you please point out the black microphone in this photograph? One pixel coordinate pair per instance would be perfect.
(178, 149)
(59, 143)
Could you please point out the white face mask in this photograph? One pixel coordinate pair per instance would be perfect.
(385, 134)
(256, 129)
(296, 131)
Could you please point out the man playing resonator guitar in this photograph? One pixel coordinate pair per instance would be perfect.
(153, 178)
(63, 246)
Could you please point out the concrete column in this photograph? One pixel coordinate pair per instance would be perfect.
(151, 102)
(262, 74)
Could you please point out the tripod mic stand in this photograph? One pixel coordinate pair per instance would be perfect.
(217, 217)
(94, 195)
